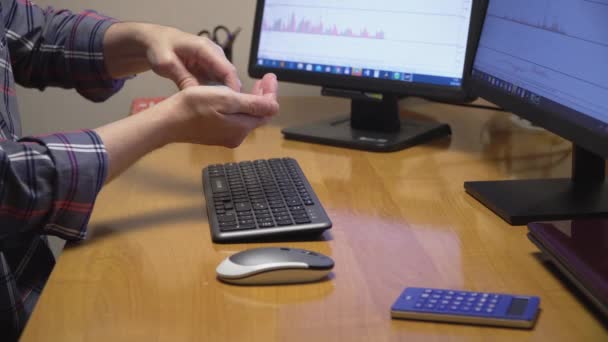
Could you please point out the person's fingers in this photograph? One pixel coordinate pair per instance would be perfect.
(215, 62)
(260, 106)
(255, 105)
(245, 121)
(270, 85)
(226, 101)
(171, 67)
(257, 88)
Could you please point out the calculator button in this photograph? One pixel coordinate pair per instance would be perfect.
(457, 303)
(447, 297)
(441, 307)
(433, 301)
(424, 295)
(436, 296)
(418, 305)
(439, 292)
(474, 294)
(454, 308)
(445, 302)
(451, 293)
(428, 291)
(466, 309)
(489, 310)
(408, 297)
(460, 298)
(485, 295)
(477, 309)
(470, 299)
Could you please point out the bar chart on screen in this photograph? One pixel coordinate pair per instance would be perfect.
(295, 30)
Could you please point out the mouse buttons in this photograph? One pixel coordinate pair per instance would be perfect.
(269, 255)
(229, 270)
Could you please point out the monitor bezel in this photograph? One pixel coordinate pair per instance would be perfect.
(443, 92)
(589, 136)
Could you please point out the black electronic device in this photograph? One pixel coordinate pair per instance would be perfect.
(546, 62)
(261, 199)
(578, 249)
(374, 53)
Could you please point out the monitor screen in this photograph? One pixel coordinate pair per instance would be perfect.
(547, 61)
(384, 45)
(549, 57)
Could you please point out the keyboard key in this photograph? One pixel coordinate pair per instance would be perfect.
(266, 224)
(219, 185)
(284, 222)
(243, 206)
(227, 218)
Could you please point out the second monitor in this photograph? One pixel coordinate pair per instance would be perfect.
(374, 53)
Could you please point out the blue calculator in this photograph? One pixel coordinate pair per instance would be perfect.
(441, 305)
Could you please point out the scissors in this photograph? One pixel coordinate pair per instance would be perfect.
(221, 35)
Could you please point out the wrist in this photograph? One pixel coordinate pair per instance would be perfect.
(164, 121)
(125, 48)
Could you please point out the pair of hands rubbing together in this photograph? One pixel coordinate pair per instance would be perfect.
(200, 114)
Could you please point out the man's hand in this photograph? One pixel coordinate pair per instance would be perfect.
(186, 59)
(219, 115)
(199, 114)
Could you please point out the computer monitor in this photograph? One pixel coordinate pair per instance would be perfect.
(374, 53)
(547, 61)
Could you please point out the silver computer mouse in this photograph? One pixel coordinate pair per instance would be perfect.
(274, 265)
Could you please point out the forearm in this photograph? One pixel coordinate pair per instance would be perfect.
(58, 48)
(49, 183)
(125, 46)
(131, 138)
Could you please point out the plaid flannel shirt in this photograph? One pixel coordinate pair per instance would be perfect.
(47, 184)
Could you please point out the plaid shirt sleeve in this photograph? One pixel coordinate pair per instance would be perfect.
(59, 48)
(48, 184)
(51, 183)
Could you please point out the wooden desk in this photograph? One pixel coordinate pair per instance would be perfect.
(147, 271)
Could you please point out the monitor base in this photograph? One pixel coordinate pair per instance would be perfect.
(338, 132)
(520, 202)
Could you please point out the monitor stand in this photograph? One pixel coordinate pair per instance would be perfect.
(520, 202)
(373, 125)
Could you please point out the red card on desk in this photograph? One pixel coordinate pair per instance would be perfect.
(142, 103)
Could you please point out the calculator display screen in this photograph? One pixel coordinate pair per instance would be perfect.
(518, 307)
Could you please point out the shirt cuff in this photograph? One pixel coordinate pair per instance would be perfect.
(90, 29)
(81, 163)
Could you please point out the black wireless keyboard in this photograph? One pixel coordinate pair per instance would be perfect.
(261, 199)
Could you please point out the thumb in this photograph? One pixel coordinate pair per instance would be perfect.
(173, 69)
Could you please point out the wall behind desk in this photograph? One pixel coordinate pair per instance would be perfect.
(58, 109)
